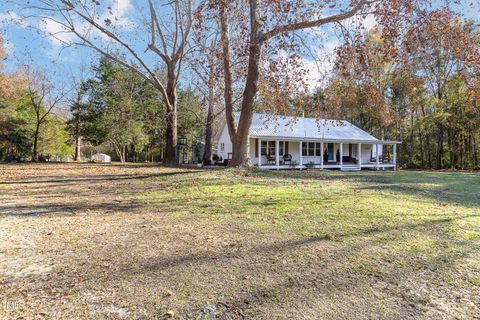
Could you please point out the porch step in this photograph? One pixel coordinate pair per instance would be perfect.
(350, 168)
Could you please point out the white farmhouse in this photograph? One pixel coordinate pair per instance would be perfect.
(282, 142)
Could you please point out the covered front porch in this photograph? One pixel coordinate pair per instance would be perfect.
(277, 154)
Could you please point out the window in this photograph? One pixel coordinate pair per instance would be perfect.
(271, 148)
(311, 149)
(222, 146)
(304, 149)
(268, 148)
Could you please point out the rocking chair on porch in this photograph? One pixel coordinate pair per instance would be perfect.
(271, 159)
(287, 158)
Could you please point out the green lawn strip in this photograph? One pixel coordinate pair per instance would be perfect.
(317, 204)
(396, 217)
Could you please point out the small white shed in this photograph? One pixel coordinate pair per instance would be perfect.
(101, 157)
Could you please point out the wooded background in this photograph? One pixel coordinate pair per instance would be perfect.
(414, 76)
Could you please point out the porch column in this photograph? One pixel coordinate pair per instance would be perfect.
(300, 162)
(277, 158)
(321, 155)
(395, 157)
(377, 156)
(360, 156)
(259, 152)
(341, 155)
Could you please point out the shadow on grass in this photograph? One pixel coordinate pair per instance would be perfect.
(446, 187)
(39, 210)
(328, 278)
(95, 178)
(162, 263)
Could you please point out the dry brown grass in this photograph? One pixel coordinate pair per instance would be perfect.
(82, 241)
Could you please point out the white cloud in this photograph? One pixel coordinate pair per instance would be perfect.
(57, 34)
(11, 18)
(122, 6)
(118, 12)
(321, 64)
(367, 21)
(9, 48)
(370, 21)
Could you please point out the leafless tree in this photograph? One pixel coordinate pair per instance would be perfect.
(205, 64)
(75, 101)
(43, 97)
(263, 28)
(97, 26)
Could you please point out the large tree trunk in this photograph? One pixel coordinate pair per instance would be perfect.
(207, 153)
(120, 150)
(228, 90)
(450, 149)
(78, 151)
(240, 135)
(475, 153)
(35, 142)
(439, 160)
(411, 158)
(422, 150)
(241, 156)
(171, 150)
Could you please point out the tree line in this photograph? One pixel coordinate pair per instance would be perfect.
(113, 111)
(414, 77)
(424, 91)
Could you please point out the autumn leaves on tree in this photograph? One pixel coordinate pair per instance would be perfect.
(414, 76)
(423, 91)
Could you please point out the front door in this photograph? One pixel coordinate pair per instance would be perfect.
(331, 152)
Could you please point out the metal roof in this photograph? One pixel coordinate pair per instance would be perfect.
(279, 126)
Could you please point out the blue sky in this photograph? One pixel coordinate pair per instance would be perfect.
(26, 45)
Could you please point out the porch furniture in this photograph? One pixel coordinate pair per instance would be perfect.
(271, 159)
(381, 158)
(217, 159)
(287, 158)
(349, 159)
(325, 156)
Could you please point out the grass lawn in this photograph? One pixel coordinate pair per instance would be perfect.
(84, 241)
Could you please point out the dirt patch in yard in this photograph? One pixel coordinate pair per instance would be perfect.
(85, 241)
